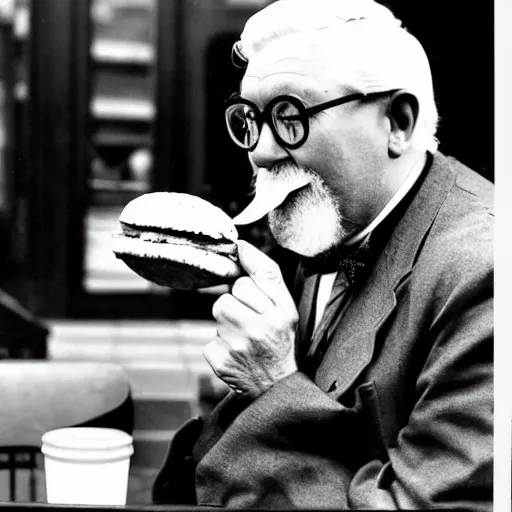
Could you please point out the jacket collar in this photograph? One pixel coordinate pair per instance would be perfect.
(353, 342)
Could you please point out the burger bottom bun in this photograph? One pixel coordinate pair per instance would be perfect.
(175, 266)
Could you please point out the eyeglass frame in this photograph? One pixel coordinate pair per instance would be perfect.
(305, 113)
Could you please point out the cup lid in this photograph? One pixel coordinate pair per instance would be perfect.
(87, 438)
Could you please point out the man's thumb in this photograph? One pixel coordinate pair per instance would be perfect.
(263, 270)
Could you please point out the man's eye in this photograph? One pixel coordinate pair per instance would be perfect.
(289, 119)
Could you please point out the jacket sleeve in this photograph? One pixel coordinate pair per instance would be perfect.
(275, 453)
(285, 449)
(175, 482)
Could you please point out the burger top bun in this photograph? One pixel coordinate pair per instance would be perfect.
(178, 240)
(179, 212)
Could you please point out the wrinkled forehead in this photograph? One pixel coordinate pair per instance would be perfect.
(304, 59)
(294, 53)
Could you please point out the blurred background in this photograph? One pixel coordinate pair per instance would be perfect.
(104, 100)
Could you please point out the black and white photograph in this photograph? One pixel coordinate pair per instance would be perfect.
(247, 253)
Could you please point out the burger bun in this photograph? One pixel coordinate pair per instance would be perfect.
(178, 241)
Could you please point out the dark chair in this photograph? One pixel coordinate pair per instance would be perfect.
(22, 335)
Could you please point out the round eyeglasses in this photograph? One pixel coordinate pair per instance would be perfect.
(287, 117)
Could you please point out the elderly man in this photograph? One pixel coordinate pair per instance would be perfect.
(369, 384)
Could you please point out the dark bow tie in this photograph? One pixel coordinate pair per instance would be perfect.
(354, 261)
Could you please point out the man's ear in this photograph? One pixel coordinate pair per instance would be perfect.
(403, 109)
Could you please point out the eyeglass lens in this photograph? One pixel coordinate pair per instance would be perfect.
(243, 126)
(287, 122)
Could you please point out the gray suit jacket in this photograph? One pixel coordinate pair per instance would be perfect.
(399, 414)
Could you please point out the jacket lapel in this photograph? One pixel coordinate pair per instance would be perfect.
(353, 341)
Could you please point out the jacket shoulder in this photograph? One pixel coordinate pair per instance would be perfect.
(458, 251)
(480, 189)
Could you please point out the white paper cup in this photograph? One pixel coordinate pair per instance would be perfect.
(87, 466)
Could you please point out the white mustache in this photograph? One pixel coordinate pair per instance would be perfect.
(291, 172)
(272, 188)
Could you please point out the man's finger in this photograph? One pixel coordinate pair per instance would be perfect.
(265, 272)
(216, 355)
(248, 292)
(230, 311)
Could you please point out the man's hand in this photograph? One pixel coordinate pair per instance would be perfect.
(255, 343)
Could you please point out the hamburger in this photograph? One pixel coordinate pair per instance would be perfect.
(178, 240)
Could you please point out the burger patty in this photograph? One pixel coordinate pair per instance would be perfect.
(167, 236)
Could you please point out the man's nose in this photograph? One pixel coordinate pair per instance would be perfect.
(268, 151)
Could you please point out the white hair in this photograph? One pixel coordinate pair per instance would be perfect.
(371, 49)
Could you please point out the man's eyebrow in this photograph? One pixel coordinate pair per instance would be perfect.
(307, 94)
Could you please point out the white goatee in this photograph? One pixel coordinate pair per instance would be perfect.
(308, 222)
